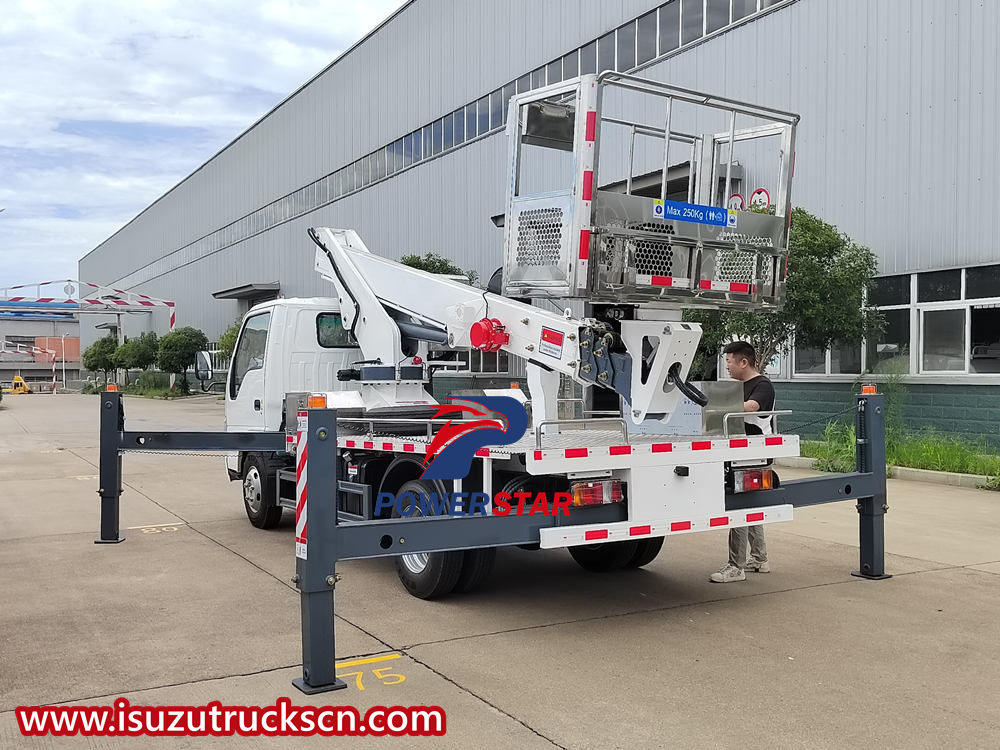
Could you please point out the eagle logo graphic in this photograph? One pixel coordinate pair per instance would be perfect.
(490, 420)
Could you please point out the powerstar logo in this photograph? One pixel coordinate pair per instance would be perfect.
(489, 421)
(495, 420)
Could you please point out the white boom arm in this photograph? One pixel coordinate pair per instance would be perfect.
(380, 298)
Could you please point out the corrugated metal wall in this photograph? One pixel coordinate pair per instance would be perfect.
(896, 144)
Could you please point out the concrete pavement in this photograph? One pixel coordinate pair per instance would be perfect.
(197, 606)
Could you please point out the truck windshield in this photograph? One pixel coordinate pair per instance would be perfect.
(331, 334)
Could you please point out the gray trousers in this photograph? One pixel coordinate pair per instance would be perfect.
(738, 542)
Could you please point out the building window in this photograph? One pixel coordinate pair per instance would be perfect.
(939, 286)
(571, 64)
(984, 338)
(449, 131)
(484, 115)
(524, 83)
(982, 281)
(942, 340)
(471, 122)
(743, 8)
(538, 78)
(692, 20)
(459, 124)
(437, 136)
(646, 41)
(588, 59)
(670, 26)
(891, 290)
(505, 94)
(716, 15)
(606, 52)
(553, 71)
(626, 47)
(845, 359)
(809, 361)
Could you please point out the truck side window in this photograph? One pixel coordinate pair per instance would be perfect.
(250, 350)
(331, 334)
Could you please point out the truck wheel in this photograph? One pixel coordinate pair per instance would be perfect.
(476, 568)
(259, 493)
(645, 552)
(602, 558)
(426, 575)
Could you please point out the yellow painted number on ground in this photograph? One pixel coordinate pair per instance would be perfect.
(382, 673)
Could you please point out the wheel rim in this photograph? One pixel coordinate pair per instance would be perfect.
(416, 562)
(252, 489)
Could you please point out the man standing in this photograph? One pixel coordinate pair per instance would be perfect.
(758, 395)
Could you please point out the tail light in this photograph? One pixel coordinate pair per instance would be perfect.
(748, 480)
(597, 493)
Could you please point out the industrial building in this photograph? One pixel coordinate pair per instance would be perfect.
(401, 138)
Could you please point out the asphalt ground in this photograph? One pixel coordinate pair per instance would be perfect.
(196, 605)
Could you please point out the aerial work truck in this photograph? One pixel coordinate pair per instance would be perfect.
(623, 209)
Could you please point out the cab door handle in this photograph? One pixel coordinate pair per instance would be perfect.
(256, 404)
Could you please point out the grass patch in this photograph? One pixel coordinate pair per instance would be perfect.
(926, 449)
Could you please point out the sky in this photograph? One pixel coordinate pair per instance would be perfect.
(107, 104)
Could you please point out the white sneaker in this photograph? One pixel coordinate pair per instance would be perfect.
(758, 567)
(728, 574)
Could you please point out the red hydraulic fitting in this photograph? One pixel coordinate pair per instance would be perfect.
(488, 335)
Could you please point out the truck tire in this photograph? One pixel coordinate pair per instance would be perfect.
(476, 568)
(603, 558)
(645, 552)
(427, 575)
(259, 492)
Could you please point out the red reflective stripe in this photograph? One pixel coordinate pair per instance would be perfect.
(744, 288)
(701, 445)
(576, 453)
(680, 526)
(772, 441)
(483, 452)
(588, 185)
(705, 284)
(350, 443)
(387, 446)
(751, 517)
(661, 281)
(662, 447)
(620, 450)
(584, 244)
(538, 455)
(720, 521)
(602, 534)
(637, 530)
(592, 127)
(409, 447)
(740, 443)
(369, 445)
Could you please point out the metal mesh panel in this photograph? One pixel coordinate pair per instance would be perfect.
(539, 237)
(653, 257)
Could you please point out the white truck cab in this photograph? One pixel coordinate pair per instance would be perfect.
(284, 346)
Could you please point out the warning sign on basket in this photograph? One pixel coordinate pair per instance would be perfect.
(551, 343)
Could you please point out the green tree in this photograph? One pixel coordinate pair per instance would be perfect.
(99, 356)
(227, 341)
(829, 279)
(177, 350)
(146, 349)
(432, 263)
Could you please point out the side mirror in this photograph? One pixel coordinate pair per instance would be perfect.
(203, 366)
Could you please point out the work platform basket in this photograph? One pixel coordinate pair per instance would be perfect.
(620, 191)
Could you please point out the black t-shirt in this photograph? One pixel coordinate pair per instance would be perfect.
(761, 390)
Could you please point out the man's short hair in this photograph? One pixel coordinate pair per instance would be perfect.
(742, 349)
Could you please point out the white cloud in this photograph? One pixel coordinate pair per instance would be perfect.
(105, 106)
